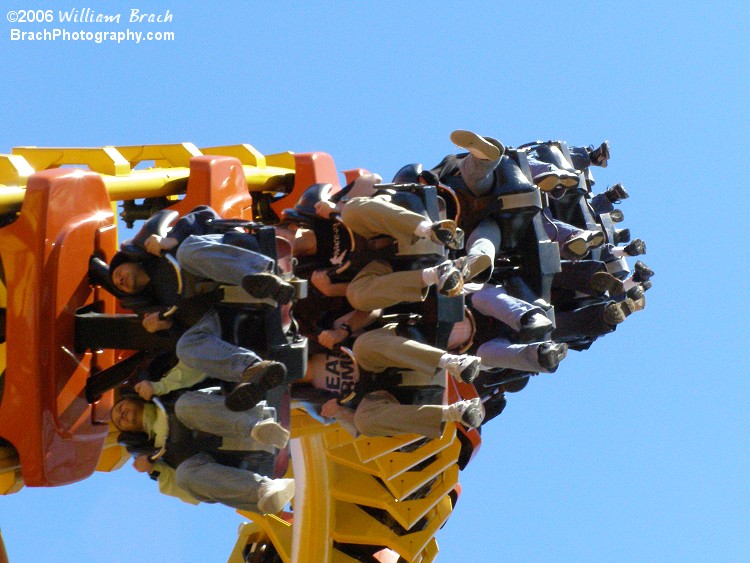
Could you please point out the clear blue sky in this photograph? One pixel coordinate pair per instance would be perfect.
(636, 450)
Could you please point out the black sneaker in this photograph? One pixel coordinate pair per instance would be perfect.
(264, 285)
(616, 216)
(256, 381)
(550, 354)
(473, 414)
(600, 155)
(450, 281)
(635, 293)
(616, 193)
(534, 325)
(636, 248)
(447, 233)
(621, 235)
(642, 272)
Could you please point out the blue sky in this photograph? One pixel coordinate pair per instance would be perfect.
(636, 450)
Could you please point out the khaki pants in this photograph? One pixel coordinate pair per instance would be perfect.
(377, 286)
(380, 349)
(380, 414)
(373, 216)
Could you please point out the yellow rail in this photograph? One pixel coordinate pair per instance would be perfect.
(117, 166)
(360, 492)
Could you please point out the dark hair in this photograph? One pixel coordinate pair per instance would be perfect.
(118, 259)
(125, 397)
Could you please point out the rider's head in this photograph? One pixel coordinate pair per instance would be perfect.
(128, 275)
(127, 415)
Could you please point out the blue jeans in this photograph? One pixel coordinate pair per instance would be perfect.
(580, 157)
(601, 204)
(477, 174)
(494, 301)
(558, 231)
(208, 257)
(209, 481)
(501, 353)
(202, 348)
(205, 412)
(201, 475)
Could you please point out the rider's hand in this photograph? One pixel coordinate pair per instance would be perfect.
(145, 390)
(329, 338)
(330, 409)
(142, 464)
(152, 323)
(324, 209)
(156, 244)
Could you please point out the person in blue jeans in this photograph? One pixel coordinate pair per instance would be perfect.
(201, 438)
(205, 262)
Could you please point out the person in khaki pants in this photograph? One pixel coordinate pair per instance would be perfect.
(379, 413)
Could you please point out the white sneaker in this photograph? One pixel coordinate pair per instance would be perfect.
(469, 412)
(270, 433)
(450, 281)
(274, 495)
(464, 367)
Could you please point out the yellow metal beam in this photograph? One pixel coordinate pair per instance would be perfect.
(116, 165)
(312, 503)
(105, 160)
(164, 156)
(10, 471)
(14, 170)
(246, 154)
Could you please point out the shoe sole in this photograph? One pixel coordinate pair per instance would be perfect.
(623, 310)
(248, 394)
(279, 500)
(472, 266)
(577, 247)
(555, 355)
(447, 234)
(452, 285)
(470, 373)
(285, 293)
(548, 183)
(552, 181)
(606, 282)
(613, 314)
(473, 417)
(263, 286)
(628, 307)
(596, 240)
(260, 285)
(473, 142)
(270, 434)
